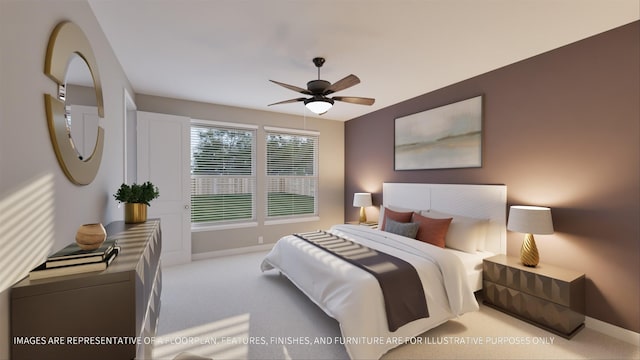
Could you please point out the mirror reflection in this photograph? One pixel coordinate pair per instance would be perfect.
(81, 111)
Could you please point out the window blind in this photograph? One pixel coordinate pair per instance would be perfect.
(223, 176)
(292, 174)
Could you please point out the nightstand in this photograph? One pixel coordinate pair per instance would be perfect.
(546, 296)
(371, 224)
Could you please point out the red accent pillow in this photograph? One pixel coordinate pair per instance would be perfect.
(432, 231)
(403, 217)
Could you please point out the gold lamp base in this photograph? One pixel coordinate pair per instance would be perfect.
(363, 215)
(529, 252)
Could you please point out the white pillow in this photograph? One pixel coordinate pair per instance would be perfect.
(465, 233)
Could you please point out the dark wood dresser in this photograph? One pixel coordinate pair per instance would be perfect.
(111, 314)
(547, 296)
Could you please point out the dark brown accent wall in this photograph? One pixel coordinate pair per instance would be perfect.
(561, 129)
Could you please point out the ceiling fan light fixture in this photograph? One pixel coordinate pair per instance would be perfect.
(319, 103)
(318, 106)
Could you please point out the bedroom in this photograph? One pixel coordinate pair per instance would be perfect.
(595, 203)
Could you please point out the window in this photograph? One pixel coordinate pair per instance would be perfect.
(292, 173)
(223, 176)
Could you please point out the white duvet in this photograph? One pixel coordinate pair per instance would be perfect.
(353, 297)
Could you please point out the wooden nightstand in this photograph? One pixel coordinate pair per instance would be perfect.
(547, 296)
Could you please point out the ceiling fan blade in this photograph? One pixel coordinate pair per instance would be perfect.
(342, 84)
(292, 87)
(288, 101)
(355, 100)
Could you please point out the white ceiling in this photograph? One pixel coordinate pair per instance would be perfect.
(225, 51)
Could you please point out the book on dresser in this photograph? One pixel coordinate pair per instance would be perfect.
(43, 272)
(72, 254)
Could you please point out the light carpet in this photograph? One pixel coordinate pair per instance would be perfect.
(225, 308)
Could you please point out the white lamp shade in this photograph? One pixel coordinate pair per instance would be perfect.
(530, 220)
(318, 106)
(362, 199)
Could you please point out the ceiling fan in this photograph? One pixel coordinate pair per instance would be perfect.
(319, 103)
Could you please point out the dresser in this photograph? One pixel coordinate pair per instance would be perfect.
(111, 314)
(547, 296)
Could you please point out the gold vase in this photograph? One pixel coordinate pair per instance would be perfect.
(90, 236)
(135, 213)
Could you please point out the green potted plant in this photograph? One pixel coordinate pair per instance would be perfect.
(136, 199)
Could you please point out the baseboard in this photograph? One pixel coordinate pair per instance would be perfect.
(613, 331)
(230, 252)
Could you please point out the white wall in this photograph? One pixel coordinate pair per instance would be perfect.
(40, 210)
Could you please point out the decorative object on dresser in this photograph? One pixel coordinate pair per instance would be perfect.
(362, 200)
(105, 315)
(546, 296)
(90, 236)
(137, 198)
(76, 262)
(530, 220)
(73, 254)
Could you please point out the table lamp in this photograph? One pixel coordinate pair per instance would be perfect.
(362, 200)
(530, 220)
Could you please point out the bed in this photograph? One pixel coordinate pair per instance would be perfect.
(482, 202)
(449, 276)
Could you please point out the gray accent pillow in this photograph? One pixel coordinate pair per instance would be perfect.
(409, 229)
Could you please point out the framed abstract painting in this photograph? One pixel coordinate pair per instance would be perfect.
(449, 136)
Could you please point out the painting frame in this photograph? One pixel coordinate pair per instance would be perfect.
(445, 137)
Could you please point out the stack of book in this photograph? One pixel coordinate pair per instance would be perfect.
(73, 260)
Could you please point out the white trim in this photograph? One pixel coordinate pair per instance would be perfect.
(129, 105)
(212, 227)
(614, 331)
(223, 124)
(291, 131)
(230, 252)
(292, 220)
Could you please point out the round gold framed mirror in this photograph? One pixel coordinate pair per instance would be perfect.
(67, 46)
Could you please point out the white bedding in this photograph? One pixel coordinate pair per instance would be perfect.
(353, 297)
(473, 266)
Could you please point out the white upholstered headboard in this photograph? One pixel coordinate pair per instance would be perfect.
(477, 201)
